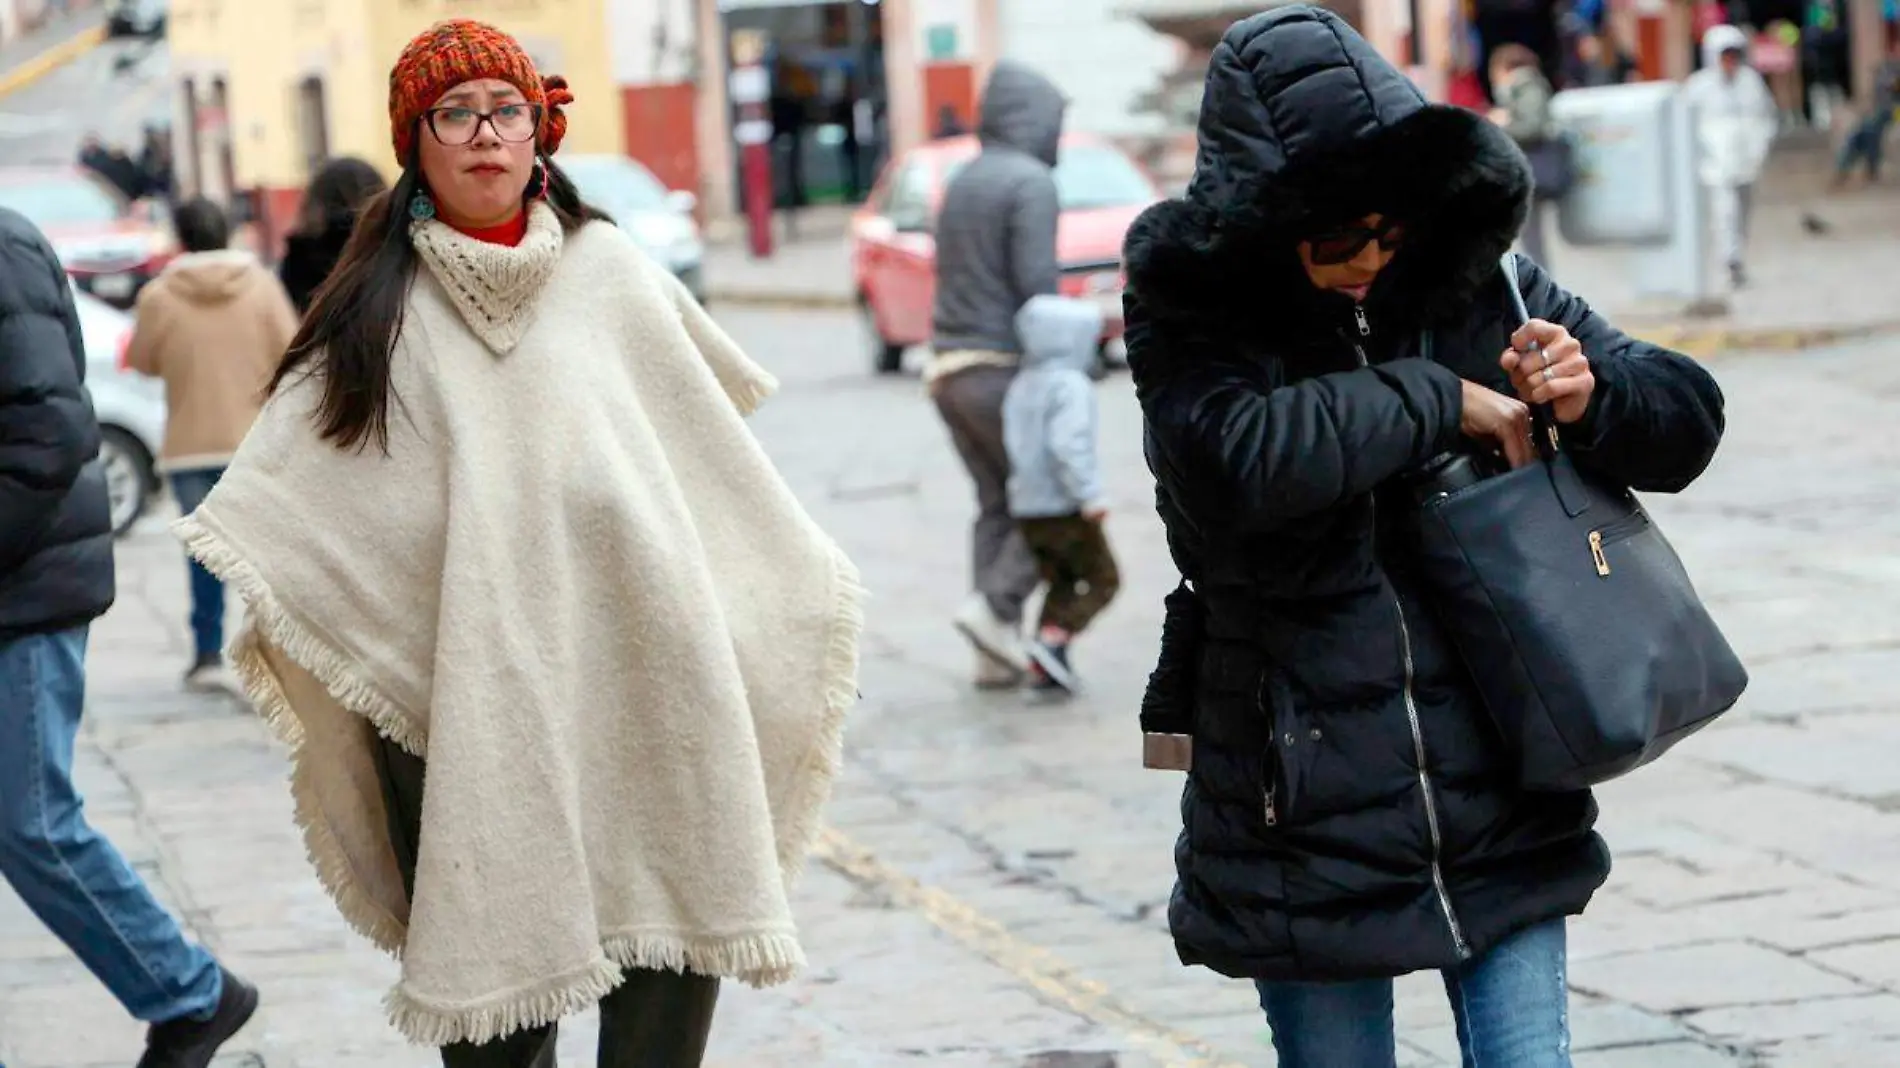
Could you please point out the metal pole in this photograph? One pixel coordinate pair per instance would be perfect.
(751, 87)
(1417, 34)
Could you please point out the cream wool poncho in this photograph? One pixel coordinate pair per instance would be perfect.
(579, 588)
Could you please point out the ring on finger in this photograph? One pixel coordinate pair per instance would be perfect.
(1545, 353)
(1549, 373)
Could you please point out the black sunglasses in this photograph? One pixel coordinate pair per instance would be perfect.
(1343, 244)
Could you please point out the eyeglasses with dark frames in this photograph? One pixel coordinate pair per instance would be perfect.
(455, 126)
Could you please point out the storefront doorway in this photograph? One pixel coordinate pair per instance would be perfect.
(828, 103)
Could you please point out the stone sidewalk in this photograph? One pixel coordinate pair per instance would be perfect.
(992, 890)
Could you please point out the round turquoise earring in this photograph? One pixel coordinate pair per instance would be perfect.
(421, 208)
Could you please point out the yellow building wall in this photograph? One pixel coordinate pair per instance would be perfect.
(265, 49)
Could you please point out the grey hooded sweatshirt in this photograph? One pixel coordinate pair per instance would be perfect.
(1049, 414)
(996, 231)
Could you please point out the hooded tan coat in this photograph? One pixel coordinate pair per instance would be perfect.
(213, 326)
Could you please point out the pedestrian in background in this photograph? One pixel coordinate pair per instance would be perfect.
(56, 577)
(1600, 60)
(1866, 143)
(564, 663)
(155, 164)
(996, 248)
(1320, 317)
(1735, 127)
(213, 326)
(1055, 478)
(331, 204)
(112, 164)
(949, 124)
(1523, 98)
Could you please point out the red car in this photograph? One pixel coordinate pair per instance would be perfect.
(110, 246)
(894, 256)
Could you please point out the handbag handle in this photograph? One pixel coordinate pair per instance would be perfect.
(1544, 433)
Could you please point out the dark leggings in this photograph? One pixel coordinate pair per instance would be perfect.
(654, 1019)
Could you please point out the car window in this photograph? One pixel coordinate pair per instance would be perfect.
(910, 198)
(1096, 176)
(616, 185)
(62, 201)
(1092, 176)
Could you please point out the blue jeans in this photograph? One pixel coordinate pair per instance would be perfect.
(72, 879)
(1511, 1006)
(207, 593)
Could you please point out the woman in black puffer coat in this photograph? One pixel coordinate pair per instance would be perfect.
(1350, 816)
(331, 202)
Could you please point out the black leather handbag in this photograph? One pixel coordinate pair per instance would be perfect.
(1590, 648)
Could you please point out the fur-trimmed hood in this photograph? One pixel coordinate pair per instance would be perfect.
(1303, 124)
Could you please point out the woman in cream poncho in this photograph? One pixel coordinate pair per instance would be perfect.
(501, 514)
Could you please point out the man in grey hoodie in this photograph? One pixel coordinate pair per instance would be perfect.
(996, 248)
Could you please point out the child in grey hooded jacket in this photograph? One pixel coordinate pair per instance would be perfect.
(1055, 481)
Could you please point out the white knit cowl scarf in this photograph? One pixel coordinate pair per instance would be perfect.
(576, 585)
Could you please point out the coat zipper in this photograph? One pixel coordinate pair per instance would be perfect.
(1270, 811)
(1425, 787)
(1411, 714)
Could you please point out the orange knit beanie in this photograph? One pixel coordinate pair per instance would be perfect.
(462, 50)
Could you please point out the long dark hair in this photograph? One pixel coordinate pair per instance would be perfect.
(336, 193)
(349, 334)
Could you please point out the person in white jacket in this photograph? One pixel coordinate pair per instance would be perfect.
(1735, 127)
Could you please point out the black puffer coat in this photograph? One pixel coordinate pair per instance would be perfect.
(55, 519)
(1349, 813)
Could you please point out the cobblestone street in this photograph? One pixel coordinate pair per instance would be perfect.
(993, 889)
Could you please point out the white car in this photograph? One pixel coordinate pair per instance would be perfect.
(661, 220)
(131, 410)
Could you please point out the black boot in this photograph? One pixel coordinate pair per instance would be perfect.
(188, 1043)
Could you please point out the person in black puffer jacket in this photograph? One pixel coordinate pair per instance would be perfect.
(1349, 815)
(55, 518)
(56, 577)
(331, 202)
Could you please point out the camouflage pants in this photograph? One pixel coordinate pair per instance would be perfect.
(1073, 555)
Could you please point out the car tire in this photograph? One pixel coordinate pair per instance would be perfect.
(130, 479)
(887, 358)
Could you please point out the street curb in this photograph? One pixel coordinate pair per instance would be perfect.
(39, 66)
(1708, 341)
(790, 301)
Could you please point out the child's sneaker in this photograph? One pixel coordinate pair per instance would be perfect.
(1052, 671)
